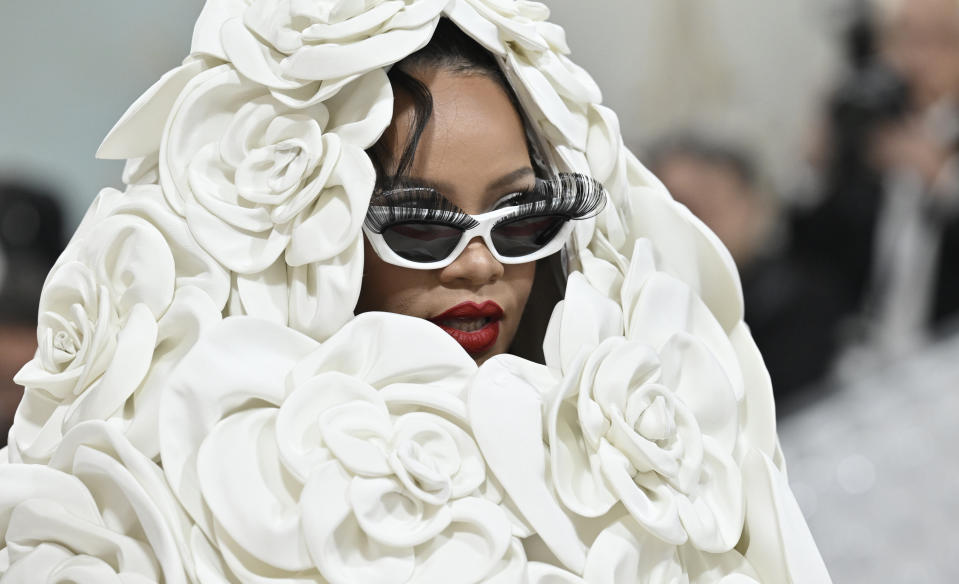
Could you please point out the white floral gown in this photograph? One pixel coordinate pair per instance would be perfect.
(204, 406)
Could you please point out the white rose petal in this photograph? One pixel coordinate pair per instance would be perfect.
(100, 513)
(689, 251)
(623, 552)
(138, 132)
(781, 547)
(337, 541)
(494, 23)
(297, 49)
(316, 299)
(569, 333)
(511, 440)
(206, 31)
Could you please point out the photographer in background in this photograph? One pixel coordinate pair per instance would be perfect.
(886, 225)
(31, 239)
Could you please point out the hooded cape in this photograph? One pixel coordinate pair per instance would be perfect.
(205, 407)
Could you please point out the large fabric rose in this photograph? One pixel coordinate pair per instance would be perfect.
(257, 180)
(612, 548)
(123, 304)
(100, 513)
(648, 419)
(298, 458)
(305, 51)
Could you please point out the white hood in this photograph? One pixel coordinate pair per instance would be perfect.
(199, 353)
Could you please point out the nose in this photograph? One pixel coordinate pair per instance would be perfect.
(474, 267)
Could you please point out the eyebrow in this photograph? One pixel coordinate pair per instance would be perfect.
(496, 186)
(510, 178)
(502, 182)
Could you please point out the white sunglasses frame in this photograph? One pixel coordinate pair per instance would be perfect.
(486, 222)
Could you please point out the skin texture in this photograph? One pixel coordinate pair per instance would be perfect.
(474, 152)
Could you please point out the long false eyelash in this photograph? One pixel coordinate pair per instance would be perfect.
(418, 204)
(574, 196)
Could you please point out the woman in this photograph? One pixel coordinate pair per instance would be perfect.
(457, 130)
(238, 379)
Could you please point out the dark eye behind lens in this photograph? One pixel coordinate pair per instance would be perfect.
(414, 205)
(422, 242)
(573, 196)
(525, 235)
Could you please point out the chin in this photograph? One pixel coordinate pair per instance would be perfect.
(493, 351)
(480, 359)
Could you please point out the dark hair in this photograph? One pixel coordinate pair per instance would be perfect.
(452, 50)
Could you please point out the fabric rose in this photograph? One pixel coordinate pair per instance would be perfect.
(555, 92)
(100, 513)
(305, 51)
(349, 459)
(126, 300)
(257, 180)
(647, 417)
(640, 210)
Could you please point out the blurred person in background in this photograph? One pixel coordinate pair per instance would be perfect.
(885, 228)
(31, 238)
(789, 309)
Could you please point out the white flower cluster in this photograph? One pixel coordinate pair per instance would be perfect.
(204, 406)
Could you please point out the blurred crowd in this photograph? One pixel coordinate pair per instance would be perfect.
(31, 238)
(862, 266)
(854, 266)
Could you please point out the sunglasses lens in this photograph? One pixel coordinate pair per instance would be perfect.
(422, 242)
(526, 235)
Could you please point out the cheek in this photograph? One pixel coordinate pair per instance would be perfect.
(520, 280)
(388, 288)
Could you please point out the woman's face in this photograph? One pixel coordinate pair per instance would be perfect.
(473, 151)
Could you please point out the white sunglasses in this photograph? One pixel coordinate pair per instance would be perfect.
(419, 228)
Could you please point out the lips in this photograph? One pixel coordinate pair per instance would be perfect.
(474, 326)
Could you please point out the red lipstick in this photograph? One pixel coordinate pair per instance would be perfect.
(474, 326)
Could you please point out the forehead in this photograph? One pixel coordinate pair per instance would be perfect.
(473, 144)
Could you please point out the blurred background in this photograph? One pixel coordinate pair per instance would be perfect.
(818, 138)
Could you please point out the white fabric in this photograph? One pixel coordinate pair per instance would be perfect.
(198, 335)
